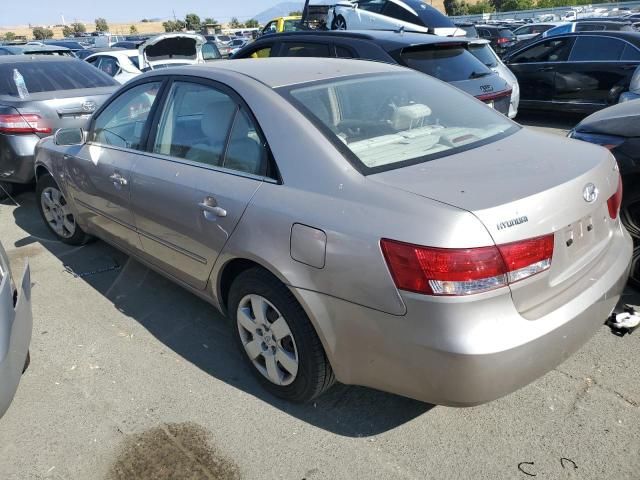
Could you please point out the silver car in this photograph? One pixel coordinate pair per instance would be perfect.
(15, 330)
(357, 221)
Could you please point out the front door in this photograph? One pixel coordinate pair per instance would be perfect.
(536, 66)
(208, 161)
(595, 74)
(99, 175)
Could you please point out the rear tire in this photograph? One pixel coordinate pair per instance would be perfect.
(339, 23)
(278, 340)
(56, 212)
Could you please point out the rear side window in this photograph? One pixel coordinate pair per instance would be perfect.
(305, 50)
(344, 52)
(549, 51)
(597, 49)
(372, 5)
(447, 64)
(396, 11)
(589, 27)
(433, 18)
(630, 53)
(52, 75)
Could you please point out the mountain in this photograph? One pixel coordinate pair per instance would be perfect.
(279, 10)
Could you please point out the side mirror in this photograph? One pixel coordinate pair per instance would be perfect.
(66, 137)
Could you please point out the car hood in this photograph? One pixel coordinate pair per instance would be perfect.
(622, 120)
(171, 48)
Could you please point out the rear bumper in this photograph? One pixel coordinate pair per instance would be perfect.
(461, 352)
(15, 333)
(17, 157)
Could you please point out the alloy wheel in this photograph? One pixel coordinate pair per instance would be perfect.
(341, 24)
(267, 340)
(57, 212)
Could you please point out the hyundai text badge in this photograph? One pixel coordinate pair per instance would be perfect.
(590, 193)
(89, 106)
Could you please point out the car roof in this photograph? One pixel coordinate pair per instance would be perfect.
(18, 49)
(282, 71)
(388, 39)
(631, 37)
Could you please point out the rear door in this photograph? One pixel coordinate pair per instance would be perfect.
(536, 67)
(208, 159)
(596, 72)
(99, 173)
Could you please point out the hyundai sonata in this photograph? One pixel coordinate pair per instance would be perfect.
(357, 221)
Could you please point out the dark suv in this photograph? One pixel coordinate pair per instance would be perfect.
(447, 59)
(501, 38)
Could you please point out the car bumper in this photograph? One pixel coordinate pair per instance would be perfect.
(17, 157)
(15, 332)
(463, 352)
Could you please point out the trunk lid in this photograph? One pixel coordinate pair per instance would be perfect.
(171, 49)
(68, 109)
(524, 186)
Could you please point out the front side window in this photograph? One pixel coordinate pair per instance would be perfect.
(291, 25)
(270, 27)
(372, 5)
(630, 54)
(109, 65)
(205, 125)
(593, 49)
(122, 122)
(396, 11)
(549, 51)
(391, 120)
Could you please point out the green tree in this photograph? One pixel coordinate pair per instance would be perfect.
(133, 30)
(251, 23)
(210, 21)
(455, 7)
(295, 13)
(480, 8)
(101, 25)
(41, 33)
(78, 27)
(235, 23)
(171, 26)
(10, 36)
(67, 31)
(192, 21)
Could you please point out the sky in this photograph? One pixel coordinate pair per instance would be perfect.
(49, 12)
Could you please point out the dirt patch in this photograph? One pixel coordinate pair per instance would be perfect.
(171, 451)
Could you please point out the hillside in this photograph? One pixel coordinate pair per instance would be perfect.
(115, 28)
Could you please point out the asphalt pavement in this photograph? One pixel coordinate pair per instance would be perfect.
(132, 377)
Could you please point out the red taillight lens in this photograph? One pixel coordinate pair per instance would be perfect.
(502, 40)
(445, 271)
(615, 201)
(25, 123)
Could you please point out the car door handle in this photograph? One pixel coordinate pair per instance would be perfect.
(545, 69)
(216, 210)
(629, 67)
(118, 180)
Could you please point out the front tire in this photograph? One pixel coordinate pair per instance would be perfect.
(276, 338)
(56, 212)
(339, 23)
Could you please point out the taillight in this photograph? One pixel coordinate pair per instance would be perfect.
(615, 201)
(465, 271)
(22, 123)
(503, 40)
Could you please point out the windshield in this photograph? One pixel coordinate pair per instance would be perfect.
(449, 64)
(51, 75)
(135, 60)
(433, 18)
(393, 120)
(484, 54)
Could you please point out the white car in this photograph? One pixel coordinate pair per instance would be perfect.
(122, 65)
(481, 49)
(167, 50)
(532, 30)
(411, 15)
(634, 88)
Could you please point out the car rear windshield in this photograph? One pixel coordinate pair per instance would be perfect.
(484, 53)
(50, 75)
(387, 121)
(433, 18)
(506, 33)
(448, 63)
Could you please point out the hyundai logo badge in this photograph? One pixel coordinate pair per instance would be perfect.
(590, 193)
